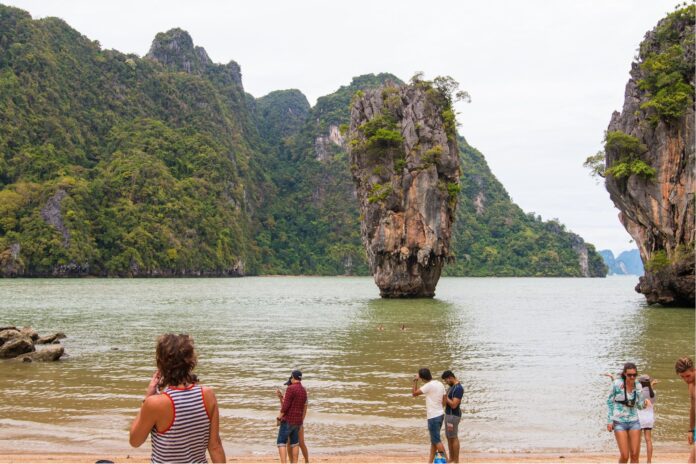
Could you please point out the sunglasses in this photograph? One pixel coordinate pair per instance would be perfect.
(632, 375)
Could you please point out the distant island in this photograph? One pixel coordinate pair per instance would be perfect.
(627, 263)
(113, 164)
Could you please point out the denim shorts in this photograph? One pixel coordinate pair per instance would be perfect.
(434, 426)
(626, 426)
(290, 431)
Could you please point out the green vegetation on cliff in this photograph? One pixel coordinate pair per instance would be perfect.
(150, 170)
(112, 164)
(492, 235)
(312, 226)
(667, 70)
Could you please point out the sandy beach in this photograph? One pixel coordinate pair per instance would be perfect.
(137, 458)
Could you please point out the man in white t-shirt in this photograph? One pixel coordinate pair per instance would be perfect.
(434, 393)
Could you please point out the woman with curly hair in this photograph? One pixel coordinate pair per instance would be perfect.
(181, 417)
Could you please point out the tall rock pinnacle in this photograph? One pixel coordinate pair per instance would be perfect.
(405, 165)
(175, 49)
(650, 154)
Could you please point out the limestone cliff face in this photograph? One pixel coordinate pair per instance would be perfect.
(176, 51)
(405, 165)
(657, 201)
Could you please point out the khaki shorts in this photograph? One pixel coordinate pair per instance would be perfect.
(452, 425)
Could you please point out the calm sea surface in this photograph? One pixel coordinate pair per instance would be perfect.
(529, 352)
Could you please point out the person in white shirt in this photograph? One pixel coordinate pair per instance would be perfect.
(646, 416)
(435, 399)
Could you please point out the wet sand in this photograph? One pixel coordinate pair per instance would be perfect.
(139, 458)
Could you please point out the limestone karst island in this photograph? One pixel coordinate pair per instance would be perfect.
(301, 254)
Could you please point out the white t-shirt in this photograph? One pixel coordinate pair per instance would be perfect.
(646, 416)
(433, 392)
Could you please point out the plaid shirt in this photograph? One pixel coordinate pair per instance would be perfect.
(294, 403)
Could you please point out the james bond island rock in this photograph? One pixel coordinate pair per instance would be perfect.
(649, 167)
(405, 165)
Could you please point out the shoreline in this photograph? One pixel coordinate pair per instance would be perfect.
(138, 457)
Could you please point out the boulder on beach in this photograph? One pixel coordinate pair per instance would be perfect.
(18, 344)
(50, 353)
(8, 333)
(29, 332)
(50, 338)
(15, 347)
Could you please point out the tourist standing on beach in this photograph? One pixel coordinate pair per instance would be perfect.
(453, 413)
(183, 420)
(291, 418)
(685, 370)
(646, 416)
(303, 446)
(435, 398)
(625, 398)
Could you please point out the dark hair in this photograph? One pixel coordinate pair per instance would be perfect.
(626, 367)
(683, 364)
(176, 359)
(424, 373)
(447, 374)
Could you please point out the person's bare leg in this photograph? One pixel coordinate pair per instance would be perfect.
(303, 447)
(692, 455)
(634, 444)
(453, 445)
(295, 453)
(441, 448)
(622, 442)
(432, 453)
(283, 452)
(648, 444)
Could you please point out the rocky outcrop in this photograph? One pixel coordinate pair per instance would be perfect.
(650, 160)
(11, 263)
(50, 338)
(323, 144)
(175, 50)
(19, 345)
(405, 165)
(51, 353)
(52, 215)
(16, 346)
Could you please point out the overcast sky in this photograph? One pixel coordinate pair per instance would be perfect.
(544, 76)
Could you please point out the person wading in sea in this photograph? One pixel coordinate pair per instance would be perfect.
(183, 420)
(685, 370)
(435, 398)
(625, 398)
(453, 413)
(291, 418)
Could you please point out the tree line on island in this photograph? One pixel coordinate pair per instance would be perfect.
(112, 164)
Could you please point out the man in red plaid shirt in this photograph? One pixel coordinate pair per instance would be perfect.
(291, 416)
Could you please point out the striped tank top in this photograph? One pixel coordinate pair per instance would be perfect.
(186, 439)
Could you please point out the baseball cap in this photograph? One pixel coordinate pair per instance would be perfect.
(297, 375)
